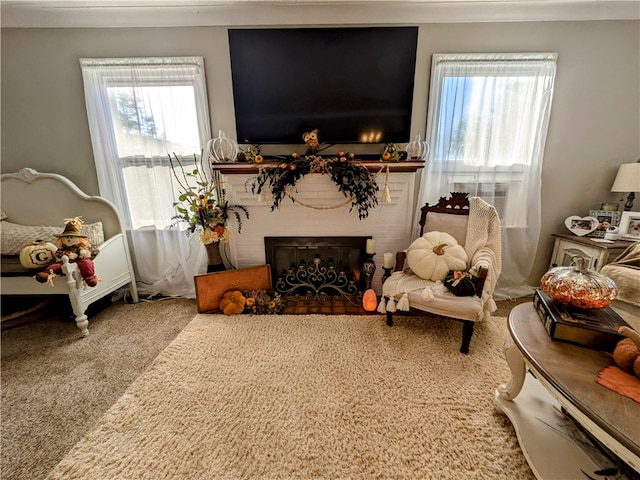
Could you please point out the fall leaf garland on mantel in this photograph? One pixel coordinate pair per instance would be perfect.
(353, 179)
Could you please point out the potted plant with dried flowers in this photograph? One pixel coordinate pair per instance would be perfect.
(201, 204)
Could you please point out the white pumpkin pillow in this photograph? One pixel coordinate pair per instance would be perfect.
(435, 253)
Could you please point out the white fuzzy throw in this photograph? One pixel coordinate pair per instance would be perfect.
(399, 284)
(483, 245)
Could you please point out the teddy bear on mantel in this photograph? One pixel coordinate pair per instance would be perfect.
(73, 244)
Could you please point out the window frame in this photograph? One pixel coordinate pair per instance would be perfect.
(455, 170)
(118, 73)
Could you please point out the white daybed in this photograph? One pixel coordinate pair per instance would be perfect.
(31, 198)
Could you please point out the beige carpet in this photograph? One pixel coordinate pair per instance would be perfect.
(56, 384)
(309, 397)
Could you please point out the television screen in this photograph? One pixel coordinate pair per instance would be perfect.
(355, 85)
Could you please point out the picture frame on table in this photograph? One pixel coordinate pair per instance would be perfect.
(606, 219)
(630, 226)
(609, 207)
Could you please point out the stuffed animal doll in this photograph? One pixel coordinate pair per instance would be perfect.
(311, 142)
(73, 244)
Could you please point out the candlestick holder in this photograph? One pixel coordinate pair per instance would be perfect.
(368, 269)
(387, 273)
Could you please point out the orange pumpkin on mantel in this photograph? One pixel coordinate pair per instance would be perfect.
(578, 286)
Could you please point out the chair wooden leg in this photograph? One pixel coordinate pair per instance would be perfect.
(467, 333)
(390, 319)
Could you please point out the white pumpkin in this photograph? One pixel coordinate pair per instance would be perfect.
(38, 254)
(434, 254)
(222, 149)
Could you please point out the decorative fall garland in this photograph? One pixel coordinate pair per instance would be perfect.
(353, 179)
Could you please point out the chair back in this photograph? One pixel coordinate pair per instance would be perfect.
(449, 215)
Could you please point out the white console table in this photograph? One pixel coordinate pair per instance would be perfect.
(553, 381)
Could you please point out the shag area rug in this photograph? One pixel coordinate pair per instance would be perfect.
(310, 397)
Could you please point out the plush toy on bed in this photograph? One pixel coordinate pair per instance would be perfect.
(73, 244)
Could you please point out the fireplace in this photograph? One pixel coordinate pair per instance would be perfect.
(317, 267)
(389, 224)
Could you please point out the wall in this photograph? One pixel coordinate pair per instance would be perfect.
(594, 127)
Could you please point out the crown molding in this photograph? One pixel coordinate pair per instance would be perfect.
(174, 13)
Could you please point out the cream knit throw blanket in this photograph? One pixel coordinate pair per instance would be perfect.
(483, 245)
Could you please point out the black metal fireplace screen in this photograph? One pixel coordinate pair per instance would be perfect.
(317, 268)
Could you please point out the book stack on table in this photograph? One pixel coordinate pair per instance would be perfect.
(592, 328)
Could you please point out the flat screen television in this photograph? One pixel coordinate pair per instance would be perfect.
(355, 85)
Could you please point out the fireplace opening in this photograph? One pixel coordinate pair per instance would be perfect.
(317, 268)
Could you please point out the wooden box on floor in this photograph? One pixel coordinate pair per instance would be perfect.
(210, 287)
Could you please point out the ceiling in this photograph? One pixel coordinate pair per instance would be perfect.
(147, 13)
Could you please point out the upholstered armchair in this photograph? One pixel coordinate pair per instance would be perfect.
(474, 226)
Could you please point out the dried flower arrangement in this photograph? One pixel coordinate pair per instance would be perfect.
(263, 302)
(201, 203)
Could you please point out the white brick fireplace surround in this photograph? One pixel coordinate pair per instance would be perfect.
(389, 224)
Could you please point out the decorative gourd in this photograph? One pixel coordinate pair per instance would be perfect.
(627, 351)
(578, 286)
(434, 254)
(460, 283)
(37, 255)
(222, 149)
(416, 149)
(232, 302)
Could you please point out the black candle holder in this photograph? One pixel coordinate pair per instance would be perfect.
(368, 269)
(387, 273)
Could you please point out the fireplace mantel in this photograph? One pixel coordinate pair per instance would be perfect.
(244, 168)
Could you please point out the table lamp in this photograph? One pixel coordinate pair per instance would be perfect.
(628, 180)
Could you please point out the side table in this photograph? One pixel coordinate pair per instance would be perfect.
(596, 254)
(551, 378)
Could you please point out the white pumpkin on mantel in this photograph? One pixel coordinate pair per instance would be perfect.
(435, 253)
(222, 149)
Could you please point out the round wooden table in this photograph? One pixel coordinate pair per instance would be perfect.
(553, 382)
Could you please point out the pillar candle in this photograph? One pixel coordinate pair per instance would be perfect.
(388, 260)
(371, 246)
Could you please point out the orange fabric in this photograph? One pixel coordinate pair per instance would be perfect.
(620, 382)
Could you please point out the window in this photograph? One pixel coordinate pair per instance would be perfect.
(141, 111)
(487, 125)
(487, 128)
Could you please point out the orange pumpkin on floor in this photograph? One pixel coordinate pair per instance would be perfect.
(232, 302)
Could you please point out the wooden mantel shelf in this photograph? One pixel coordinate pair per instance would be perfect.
(239, 168)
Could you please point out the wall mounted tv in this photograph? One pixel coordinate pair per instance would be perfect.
(355, 85)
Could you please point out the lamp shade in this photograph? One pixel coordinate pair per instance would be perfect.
(628, 178)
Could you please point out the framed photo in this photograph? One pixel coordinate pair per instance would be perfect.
(609, 207)
(630, 226)
(606, 219)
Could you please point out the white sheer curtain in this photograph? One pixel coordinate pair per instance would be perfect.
(487, 127)
(140, 111)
